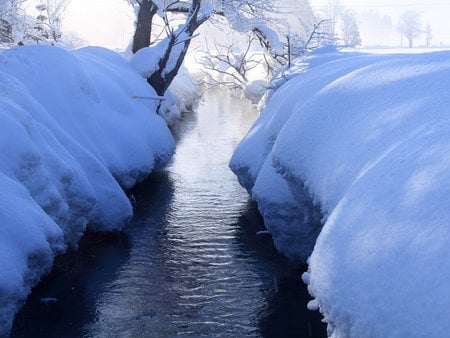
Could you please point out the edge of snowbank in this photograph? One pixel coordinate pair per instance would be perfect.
(366, 138)
(72, 138)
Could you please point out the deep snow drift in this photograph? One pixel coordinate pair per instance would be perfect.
(71, 139)
(365, 139)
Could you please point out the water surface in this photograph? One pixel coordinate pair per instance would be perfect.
(189, 264)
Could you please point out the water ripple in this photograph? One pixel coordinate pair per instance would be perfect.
(194, 265)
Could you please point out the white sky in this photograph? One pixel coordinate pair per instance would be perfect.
(107, 23)
(110, 22)
(436, 13)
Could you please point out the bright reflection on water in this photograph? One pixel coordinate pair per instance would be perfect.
(186, 274)
(191, 263)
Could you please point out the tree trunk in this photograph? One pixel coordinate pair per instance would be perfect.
(175, 52)
(141, 39)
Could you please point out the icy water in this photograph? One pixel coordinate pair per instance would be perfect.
(189, 264)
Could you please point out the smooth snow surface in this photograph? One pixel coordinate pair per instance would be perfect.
(146, 60)
(71, 138)
(365, 140)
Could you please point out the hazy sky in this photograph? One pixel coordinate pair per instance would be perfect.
(110, 22)
(107, 23)
(436, 13)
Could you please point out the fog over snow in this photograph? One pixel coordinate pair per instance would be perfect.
(378, 20)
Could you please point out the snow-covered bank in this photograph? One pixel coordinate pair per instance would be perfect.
(71, 139)
(365, 139)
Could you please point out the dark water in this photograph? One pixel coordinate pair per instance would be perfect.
(190, 263)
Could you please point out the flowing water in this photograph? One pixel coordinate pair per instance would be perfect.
(189, 264)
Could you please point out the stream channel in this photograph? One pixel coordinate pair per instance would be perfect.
(189, 264)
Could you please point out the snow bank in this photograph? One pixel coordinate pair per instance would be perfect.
(182, 96)
(146, 60)
(255, 151)
(365, 139)
(71, 138)
(182, 93)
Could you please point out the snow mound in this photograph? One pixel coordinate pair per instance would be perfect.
(146, 60)
(255, 90)
(71, 138)
(255, 150)
(366, 139)
(182, 96)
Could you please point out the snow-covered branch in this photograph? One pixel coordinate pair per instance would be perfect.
(19, 27)
(262, 18)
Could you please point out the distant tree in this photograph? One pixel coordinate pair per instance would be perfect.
(228, 64)
(49, 18)
(350, 29)
(238, 57)
(341, 23)
(19, 27)
(428, 36)
(332, 11)
(297, 30)
(301, 29)
(410, 26)
(10, 13)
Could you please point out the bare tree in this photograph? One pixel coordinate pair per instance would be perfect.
(239, 14)
(18, 27)
(318, 35)
(10, 19)
(341, 23)
(229, 64)
(332, 10)
(410, 26)
(350, 30)
(144, 22)
(177, 41)
(50, 18)
(251, 16)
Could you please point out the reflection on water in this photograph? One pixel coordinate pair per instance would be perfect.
(74, 283)
(191, 264)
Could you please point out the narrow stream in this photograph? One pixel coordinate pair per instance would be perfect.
(189, 264)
